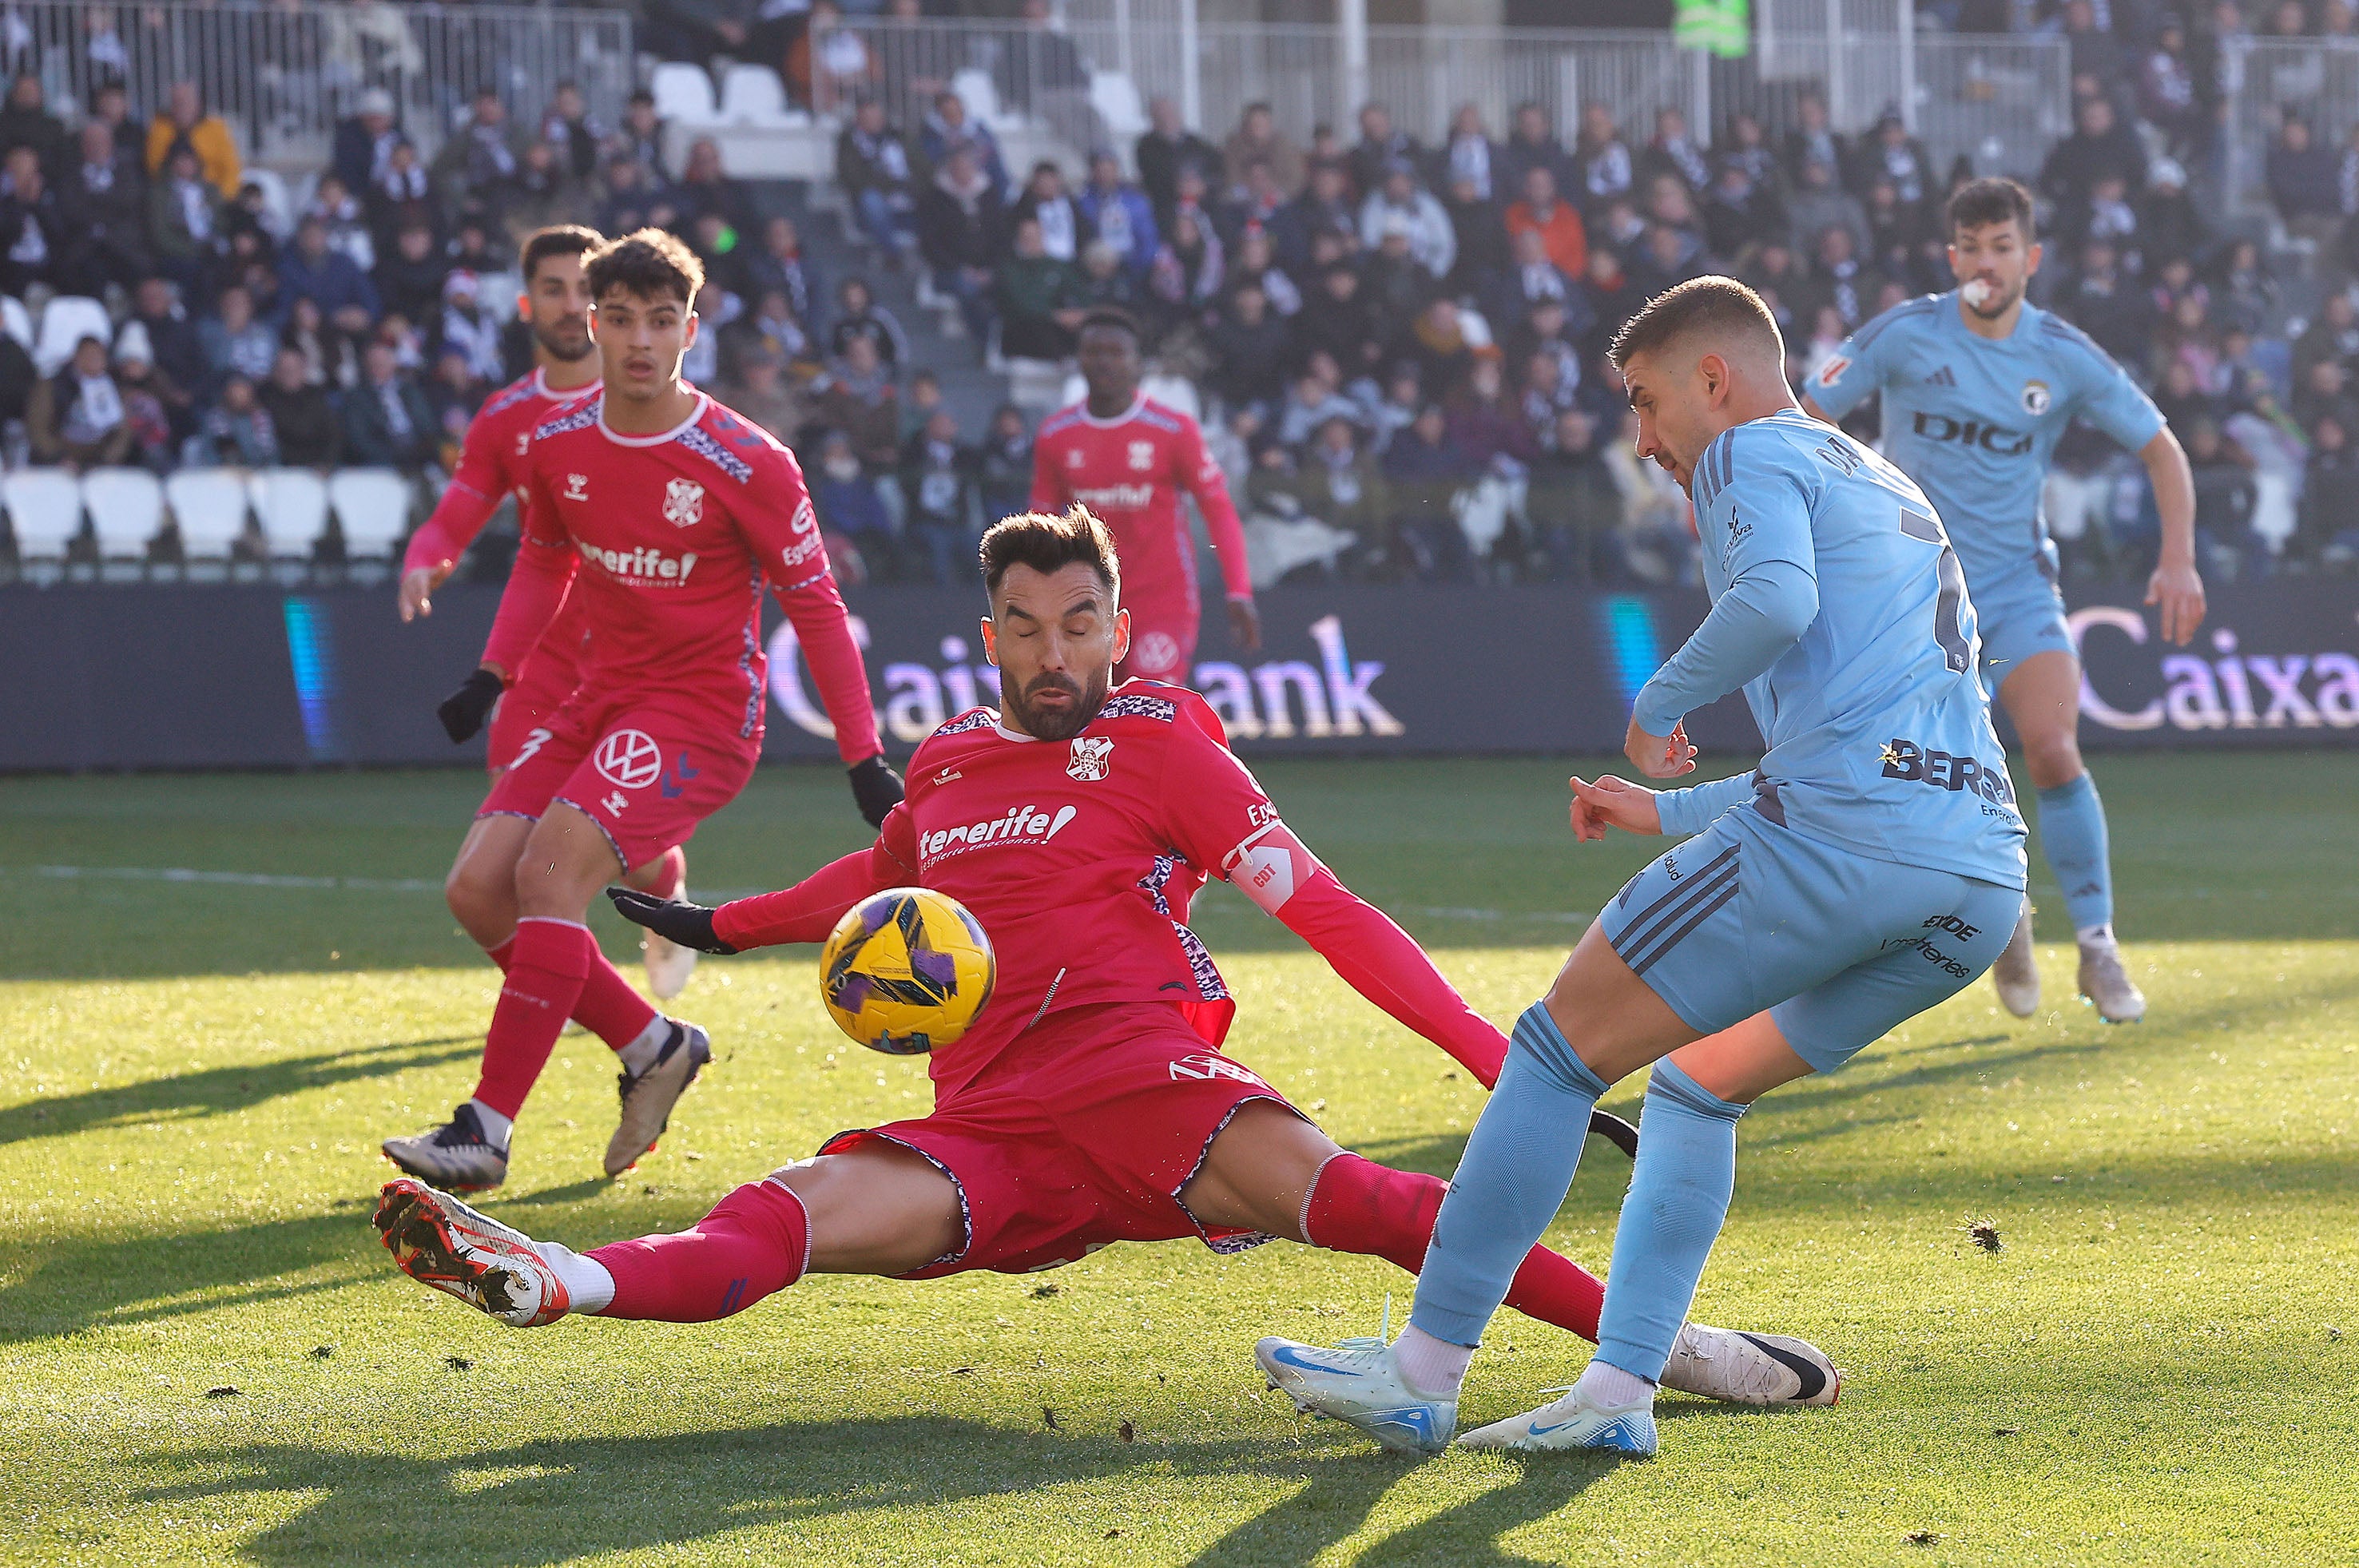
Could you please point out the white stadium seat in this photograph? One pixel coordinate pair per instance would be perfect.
(291, 504)
(277, 202)
(209, 505)
(69, 319)
(126, 510)
(17, 320)
(753, 95)
(45, 510)
(683, 94)
(372, 507)
(1116, 98)
(979, 93)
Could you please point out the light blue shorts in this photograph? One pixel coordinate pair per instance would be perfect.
(2019, 613)
(1838, 947)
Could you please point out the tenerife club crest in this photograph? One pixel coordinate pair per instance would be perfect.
(683, 503)
(1093, 758)
(1142, 457)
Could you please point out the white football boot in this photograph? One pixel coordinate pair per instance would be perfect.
(648, 1097)
(2016, 973)
(1750, 1369)
(441, 1243)
(1359, 1382)
(2106, 983)
(1575, 1421)
(669, 964)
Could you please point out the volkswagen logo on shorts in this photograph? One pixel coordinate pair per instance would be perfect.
(629, 758)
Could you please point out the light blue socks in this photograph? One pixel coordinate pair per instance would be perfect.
(1517, 1166)
(2073, 831)
(1677, 1202)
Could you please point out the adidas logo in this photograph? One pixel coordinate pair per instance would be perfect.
(1941, 378)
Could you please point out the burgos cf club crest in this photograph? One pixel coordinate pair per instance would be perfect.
(683, 503)
(2035, 399)
(1093, 758)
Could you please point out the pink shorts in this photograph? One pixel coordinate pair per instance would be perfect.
(1162, 642)
(647, 771)
(549, 676)
(1082, 1134)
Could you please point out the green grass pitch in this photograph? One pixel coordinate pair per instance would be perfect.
(2158, 1368)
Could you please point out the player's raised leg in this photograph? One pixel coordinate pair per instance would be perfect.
(469, 1151)
(2042, 695)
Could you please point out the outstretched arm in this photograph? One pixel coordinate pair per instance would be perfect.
(1361, 944)
(466, 505)
(805, 912)
(808, 910)
(1202, 477)
(537, 585)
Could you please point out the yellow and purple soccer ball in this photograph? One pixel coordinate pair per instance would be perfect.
(906, 969)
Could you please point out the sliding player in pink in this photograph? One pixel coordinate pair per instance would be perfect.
(556, 304)
(667, 516)
(1129, 460)
(1091, 1101)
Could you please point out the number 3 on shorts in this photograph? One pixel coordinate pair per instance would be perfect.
(1947, 630)
(533, 741)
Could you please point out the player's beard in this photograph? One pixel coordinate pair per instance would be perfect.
(1062, 725)
(568, 349)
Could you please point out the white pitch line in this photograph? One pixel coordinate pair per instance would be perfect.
(238, 879)
(185, 875)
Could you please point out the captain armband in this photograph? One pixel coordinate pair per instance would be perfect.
(1270, 866)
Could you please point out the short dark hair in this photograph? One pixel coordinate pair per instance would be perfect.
(1109, 316)
(557, 239)
(649, 264)
(1045, 542)
(1993, 200)
(1720, 307)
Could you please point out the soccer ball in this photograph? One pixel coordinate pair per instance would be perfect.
(906, 969)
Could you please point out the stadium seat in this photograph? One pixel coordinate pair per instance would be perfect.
(979, 93)
(753, 95)
(126, 509)
(683, 94)
(291, 504)
(209, 505)
(16, 321)
(371, 508)
(45, 510)
(69, 319)
(1116, 98)
(277, 202)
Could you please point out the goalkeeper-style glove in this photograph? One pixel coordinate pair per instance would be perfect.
(462, 713)
(690, 925)
(877, 789)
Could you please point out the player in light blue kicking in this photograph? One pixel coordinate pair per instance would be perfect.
(1978, 388)
(1871, 867)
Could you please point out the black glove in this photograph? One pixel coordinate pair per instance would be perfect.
(690, 925)
(462, 713)
(877, 788)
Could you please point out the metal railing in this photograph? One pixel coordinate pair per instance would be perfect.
(2317, 78)
(282, 74)
(1999, 102)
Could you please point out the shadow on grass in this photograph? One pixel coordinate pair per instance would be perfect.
(561, 1499)
(214, 1091)
(70, 1287)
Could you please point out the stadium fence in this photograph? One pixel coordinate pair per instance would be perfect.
(1999, 101)
(282, 75)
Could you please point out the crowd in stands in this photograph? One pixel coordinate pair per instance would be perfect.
(1402, 339)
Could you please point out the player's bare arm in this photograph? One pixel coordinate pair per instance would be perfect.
(2176, 586)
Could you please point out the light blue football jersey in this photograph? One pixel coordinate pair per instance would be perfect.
(1880, 739)
(1975, 420)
